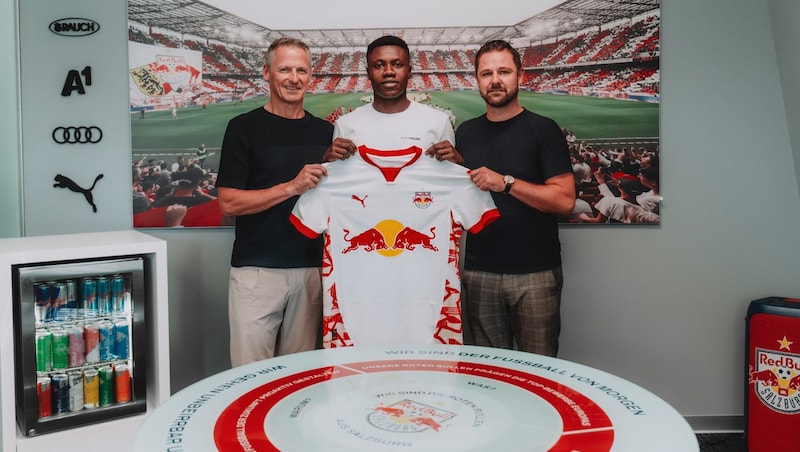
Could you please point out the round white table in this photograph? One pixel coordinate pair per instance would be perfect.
(415, 398)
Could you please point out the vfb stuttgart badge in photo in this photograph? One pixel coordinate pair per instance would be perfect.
(773, 375)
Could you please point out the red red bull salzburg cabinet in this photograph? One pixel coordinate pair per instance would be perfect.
(772, 399)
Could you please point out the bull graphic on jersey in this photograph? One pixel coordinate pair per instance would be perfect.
(409, 239)
(406, 239)
(371, 240)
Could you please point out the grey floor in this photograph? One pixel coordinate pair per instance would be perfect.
(722, 442)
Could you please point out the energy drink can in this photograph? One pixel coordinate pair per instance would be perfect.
(122, 380)
(89, 297)
(106, 347)
(72, 294)
(41, 295)
(103, 295)
(119, 293)
(58, 301)
(121, 334)
(44, 350)
(91, 389)
(75, 390)
(91, 336)
(60, 385)
(44, 394)
(77, 346)
(106, 377)
(60, 348)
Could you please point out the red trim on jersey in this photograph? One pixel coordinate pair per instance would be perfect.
(301, 227)
(487, 217)
(390, 173)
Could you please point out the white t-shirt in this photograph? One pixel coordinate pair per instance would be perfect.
(392, 217)
(419, 125)
(649, 201)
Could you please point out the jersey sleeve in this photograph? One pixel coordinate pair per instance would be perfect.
(311, 212)
(473, 208)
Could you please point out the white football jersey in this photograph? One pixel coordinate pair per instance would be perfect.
(392, 221)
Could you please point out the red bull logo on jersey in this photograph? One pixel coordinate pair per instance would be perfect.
(386, 233)
(408, 416)
(423, 199)
(776, 380)
(369, 240)
(409, 239)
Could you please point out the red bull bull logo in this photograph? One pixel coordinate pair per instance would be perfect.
(409, 239)
(369, 240)
(408, 416)
(776, 380)
(172, 69)
(378, 238)
(423, 199)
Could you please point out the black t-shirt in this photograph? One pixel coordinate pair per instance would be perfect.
(529, 147)
(261, 150)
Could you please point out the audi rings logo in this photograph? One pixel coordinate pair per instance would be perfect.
(73, 135)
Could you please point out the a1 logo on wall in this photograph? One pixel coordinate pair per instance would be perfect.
(776, 378)
(77, 81)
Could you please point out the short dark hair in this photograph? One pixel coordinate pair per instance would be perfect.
(650, 173)
(387, 40)
(498, 45)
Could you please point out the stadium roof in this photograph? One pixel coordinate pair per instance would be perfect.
(201, 19)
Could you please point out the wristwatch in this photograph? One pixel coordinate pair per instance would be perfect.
(509, 180)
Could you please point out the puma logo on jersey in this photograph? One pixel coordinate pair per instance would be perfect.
(361, 200)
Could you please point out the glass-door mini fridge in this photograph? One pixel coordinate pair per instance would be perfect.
(79, 336)
(84, 339)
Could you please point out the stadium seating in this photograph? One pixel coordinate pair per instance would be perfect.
(612, 61)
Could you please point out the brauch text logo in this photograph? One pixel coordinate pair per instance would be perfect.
(74, 27)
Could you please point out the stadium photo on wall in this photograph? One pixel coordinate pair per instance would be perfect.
(590, 65)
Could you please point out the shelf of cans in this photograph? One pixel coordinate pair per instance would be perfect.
(82, 343)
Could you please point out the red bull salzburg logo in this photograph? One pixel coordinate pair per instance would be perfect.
(390, 238)
(423, 199)
(776, 379)
(408, 416)
(172, 68)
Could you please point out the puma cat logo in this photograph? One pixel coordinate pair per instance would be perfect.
(66, 182)
(361, 200)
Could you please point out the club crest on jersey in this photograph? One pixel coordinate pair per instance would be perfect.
(408, 416)
(776, 380)
(423, 199)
